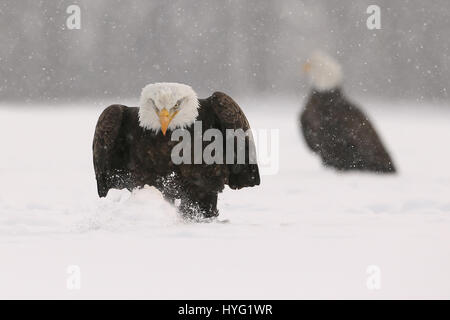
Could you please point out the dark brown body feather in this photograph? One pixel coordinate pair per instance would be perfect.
(128, 156)
(342, 135)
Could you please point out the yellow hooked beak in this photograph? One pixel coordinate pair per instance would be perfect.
(306, 67)
(164, 118)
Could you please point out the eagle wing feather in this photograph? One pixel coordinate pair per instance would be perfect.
(106, 135)
(360, 134)
(231, 116)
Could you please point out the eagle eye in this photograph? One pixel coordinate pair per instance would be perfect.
(177, 105)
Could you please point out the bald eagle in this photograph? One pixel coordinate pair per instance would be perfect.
(336, 129)
(132, 147)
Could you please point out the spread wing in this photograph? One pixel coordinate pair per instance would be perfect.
(230, 116)
(107, 133)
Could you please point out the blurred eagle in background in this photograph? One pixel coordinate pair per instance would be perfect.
(132, 147)
(334, 128)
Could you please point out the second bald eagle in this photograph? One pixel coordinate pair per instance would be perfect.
(335, 128)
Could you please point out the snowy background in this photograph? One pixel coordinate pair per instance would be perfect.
(242, 47)
(306, 232)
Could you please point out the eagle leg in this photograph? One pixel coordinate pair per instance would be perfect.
(199, 205)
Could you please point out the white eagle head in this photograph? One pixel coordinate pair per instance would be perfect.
(324, 71)
(167, 106)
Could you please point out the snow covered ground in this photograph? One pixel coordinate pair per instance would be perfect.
(306, 232)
